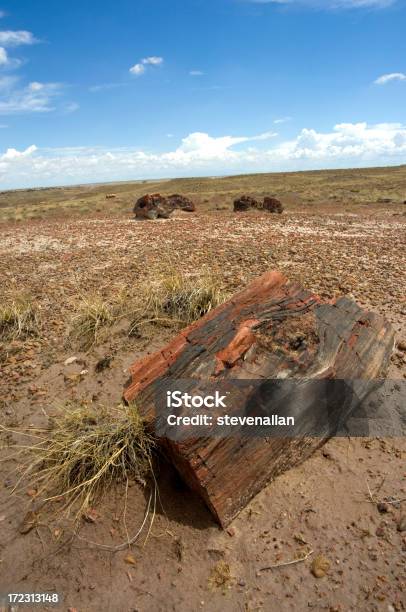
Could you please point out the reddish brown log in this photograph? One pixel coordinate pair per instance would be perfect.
(273, 329)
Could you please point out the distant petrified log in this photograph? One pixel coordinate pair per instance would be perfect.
(152, 206)
(155, 205)
(110, 196)
(181, 202)
(245, 203)
(272, 205)
(274, 331)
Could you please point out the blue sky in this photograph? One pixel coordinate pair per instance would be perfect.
(93, 91)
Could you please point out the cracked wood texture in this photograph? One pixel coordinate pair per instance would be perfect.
(273, 329)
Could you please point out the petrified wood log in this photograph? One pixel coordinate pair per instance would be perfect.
(181, 202)
(155, 205)
(244, 203)
(152, 206)
(273, 329)
(273, 205)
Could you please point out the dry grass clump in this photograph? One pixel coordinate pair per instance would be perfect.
(176, 299)
(92, 318)
(18, 318)
(220, 577)
(85, 451)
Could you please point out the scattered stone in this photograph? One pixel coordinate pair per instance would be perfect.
(320, 566)
(401, 345)
(70, 360)
(103, 363)
(402, 523)
(382, 507)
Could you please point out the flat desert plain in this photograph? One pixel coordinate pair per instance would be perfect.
(341, 233)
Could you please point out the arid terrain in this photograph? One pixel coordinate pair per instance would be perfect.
(341, 233)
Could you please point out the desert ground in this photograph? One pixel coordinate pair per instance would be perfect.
(341, 233)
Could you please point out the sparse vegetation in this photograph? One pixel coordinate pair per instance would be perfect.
(220, 577)
(176, 299)
(85, 451)
(360, 187)
(19, 318)
(93, 316)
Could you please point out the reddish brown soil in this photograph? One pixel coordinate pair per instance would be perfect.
(324, 505)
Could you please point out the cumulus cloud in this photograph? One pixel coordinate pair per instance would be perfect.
(347, 144)
(392, 76)
(12, 154)
(137, 69)
(9, 38)
(140, 68)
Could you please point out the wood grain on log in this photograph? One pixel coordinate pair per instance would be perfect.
(273, 329)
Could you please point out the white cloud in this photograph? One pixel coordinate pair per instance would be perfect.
(9, 38)
(196, 73)
(282, 120)
(137, 69)
(153, 61)
(331, 4)
(35, 97)
(346, 145)
(3, 57)
(12, 154)
(392, 76)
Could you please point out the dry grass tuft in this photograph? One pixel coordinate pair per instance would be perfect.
(176, 300)
(19, 318)
(93, 316)
(84, 452)
(220, 577)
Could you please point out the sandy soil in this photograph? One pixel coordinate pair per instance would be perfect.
(328, 505)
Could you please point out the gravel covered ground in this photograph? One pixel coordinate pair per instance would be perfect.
(329, 505)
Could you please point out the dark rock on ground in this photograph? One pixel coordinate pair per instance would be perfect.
(246, 203)
(155, 205)
(181, 202)
(272, 205)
